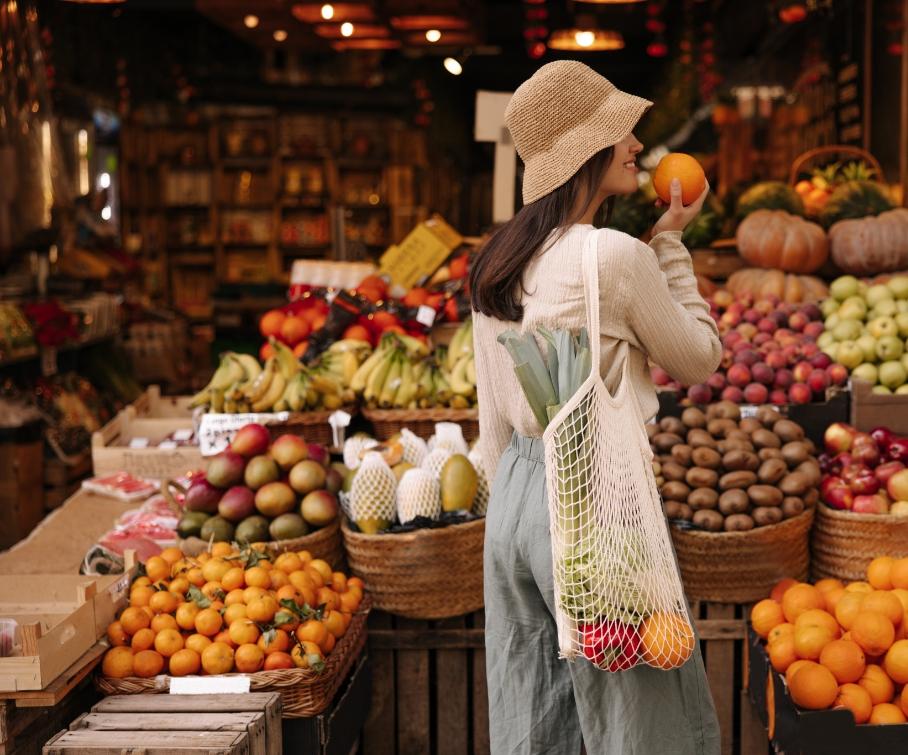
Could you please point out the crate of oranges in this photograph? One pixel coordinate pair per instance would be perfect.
(293, 625)
(829, 662)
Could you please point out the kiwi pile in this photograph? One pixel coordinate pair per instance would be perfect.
(720, 472)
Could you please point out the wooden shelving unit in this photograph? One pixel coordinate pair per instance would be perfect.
(237, 197)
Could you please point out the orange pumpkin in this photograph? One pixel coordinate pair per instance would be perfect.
(867, 246)
(788, 288)
(776, 239)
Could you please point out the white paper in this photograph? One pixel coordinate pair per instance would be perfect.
(216, 431)
(138, 443)
(167, 444)
(209, 685)
(425, 316)
(339, 421)
(182, 434)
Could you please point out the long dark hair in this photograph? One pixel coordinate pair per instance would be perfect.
(496, 278)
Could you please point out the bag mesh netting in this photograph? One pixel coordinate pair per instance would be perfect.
(436, 461)
(619, 598)
(353, 449)
(449, 435)
(371, 502)
(418, 494)
(415, 448)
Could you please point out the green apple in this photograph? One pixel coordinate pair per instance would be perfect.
(830, 322)
(882, 327)
(842, 288)
(892, 374)
(825, 340)
(849, 354)
(849, 330)
(898, 284)
(862, 288)
(881, 390)
(902, 305)
(899, 508)
(884, 309)
(828, 306)
(876, 294)
(831, 350)
(904, 360)
(868, 347)
(901, 321)
(902, 390)
(853, 308)
(889, 348)
(866, 371)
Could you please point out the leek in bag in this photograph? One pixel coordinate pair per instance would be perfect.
(618, 594)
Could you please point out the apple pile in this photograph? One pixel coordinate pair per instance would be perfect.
(770, 355)
(258, 491)
(866, 473)
(867, 330)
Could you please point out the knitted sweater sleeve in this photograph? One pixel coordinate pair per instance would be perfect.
(666, 312)
(491, 362)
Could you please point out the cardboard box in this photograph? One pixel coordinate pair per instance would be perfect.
(870, 410)
(807, 732)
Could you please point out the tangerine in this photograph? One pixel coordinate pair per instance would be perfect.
(334, 622)
(118, 663)
(817, 618)
(327, 597)
(813, 687)
(306, 655)
(217, 658)
(859, 587)
(895, 664)
(168, 642)
(799, 598)
(886, 603)
(848, 607)
(339, 582)
(790, 671)
(213, 591)
(233, 579)
(903, 700)
(147, 663)
(832, 598)
(234, 612)
(279, 642)
(249, 658)
(243, 632)
(143, 640)
(179, 586)
(305, 556)
(140, 596)
(258, 576)
(666, 640)
(234, 596)
(163, 602)
(782, 653)
(856, 699)
(845, 659)
(224, 636)
(140, 582)
(887, 713)
(195, 577)
(163, 621)
(829, 584)
(809, 641)
(311, 630)
(208, 622)
(878, 572)
(278, 579)
(278, 660)
(214, 569)
(873, 632)
(197, 642)
(253, 593)
(328, 645)
(877, 683)
(288, 562)
(184, 663)
(172, 555)
(323, 568)
(222, 550)
(898, 573)
(263, 609)
(117, 635)
(157, 569)
(289, 592)
(687, 170)
(186, 614)
(350, 600)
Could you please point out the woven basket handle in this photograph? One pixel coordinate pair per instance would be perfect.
(166, 491)
(832, 149)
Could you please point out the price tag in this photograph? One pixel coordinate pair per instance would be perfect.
(749, 410)
(425, 316)
(138, 443)
(209, 685)
(49, 361)
(216, 431)
(167, 444)
(183, 434)
(339, 422)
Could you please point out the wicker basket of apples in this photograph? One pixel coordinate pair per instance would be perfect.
(864, 501)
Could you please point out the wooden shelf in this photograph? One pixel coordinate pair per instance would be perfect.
(304, 203)
(246, 244)
(253, 163)
(199, 259)
(291, 248)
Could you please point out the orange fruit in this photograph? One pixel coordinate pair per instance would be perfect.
(350, 600)
(208, 622)
(686, 169)
(813, 687)
(323, 568)
(234, 596)
(222, 550)
(817, 618)
(289, 592)
(339, 582)
(263, 609)
(217, 658)
(903, 700)
(184, 663)
(280, 642)
(848, 607)
(318, 580)
(143, 640)
(877, 683)
(179, 586)
(234, 612)
(214, 569)
(792, 669)
(895, 664)
(233, 579)
(243, 632)
(306, 655)
(213, 591)
(859, 587)
(782, 654)
(902, 595)
(186, 614)
(887, 713)
(168, 642)
(157, 569)
(666, 640)
(163, 602)
(809, 641)
(117, 635)
(249, 658)
(799, 598)
(253, 593)
(311, 630)
(334, 622)
(278, 579)
(857, 700)
(140, 582)
(845, 659)
(288, 562)
(224, 636)
(197, 642)
(140, 596)
(203, 558)
(147, 663)
(172, 555)
(195, 577)
(832, 598)
(878, 572)
(258, 576)
(163, 621)
(328, 645)
(301, 580)
(305, 556)
(133, 619)
(873, 632)
(829, 584)
(886, 603)
(118, 663)
(327, 597)
(898, 573)
(278, 660)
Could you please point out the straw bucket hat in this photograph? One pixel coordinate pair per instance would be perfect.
(561, 117)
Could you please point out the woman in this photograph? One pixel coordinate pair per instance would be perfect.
(573, 130)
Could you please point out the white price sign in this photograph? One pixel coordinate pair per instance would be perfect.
(209, 685)
(425, 316)
(216, 431)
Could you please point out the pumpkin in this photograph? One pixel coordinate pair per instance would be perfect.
(789, 288)
(869, 246)
(778, 240)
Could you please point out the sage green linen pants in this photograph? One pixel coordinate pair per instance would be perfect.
(540, 704)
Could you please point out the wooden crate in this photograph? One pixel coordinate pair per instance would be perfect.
(870, 410)
(110, 450)
(152, 405)
(258, 714)
(429, 690)
(196, 742)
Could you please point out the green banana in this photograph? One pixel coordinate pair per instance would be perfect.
(443, 390)
(259, 387)
(272, 395)
(414, 346)
(377, 376)
(426, 385)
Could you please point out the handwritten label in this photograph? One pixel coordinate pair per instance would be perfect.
(209, 685)
(216, 431)
(138, 443)
(425, 316)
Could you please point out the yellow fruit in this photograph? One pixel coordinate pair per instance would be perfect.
(258, 576)
(172, 555)
(233, 579)
(263, 609)
(234, 612)
(288, 562)
(118, 663)
(222, 550)
(214, 569)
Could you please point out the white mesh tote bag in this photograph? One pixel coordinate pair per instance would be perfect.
(619, 600)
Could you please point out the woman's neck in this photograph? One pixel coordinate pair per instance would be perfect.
(590, 215)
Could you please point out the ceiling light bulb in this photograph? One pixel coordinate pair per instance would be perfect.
(433, 35)
(585, 38)
(347, 29)
(327, 11)
(279, 35)
(250, 22)
(453, 66)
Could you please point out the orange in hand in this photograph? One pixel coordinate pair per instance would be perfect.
(687, 170)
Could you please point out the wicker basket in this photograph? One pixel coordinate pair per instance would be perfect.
(843, 544)
(389, 422)
(313, 426)
(426, 574)
(324, 543)
(304, 692)
(742, 567)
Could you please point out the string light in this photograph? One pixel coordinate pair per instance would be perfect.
(433, 35)
(251, 21)
(453, 66)
(327, 12)
(279, 35)
(347, 29)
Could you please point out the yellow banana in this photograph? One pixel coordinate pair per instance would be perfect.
(349, 344)
(262, 383)
(361, 377)
(294, 395)
(325, 385)
(471, 370)
(392, 382)
(443, 391)
(272, 395)
(350, 365)
(408, 386)
(459, 383)
(377, 377)
(288, 365)
(216, 397)
(250, 365)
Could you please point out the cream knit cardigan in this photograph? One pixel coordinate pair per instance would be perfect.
(648, 301)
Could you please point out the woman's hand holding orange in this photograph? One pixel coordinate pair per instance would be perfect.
(678, 216)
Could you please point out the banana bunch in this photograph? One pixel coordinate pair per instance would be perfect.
(235, 371)
(460, 367)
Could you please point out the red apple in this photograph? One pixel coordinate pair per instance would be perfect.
(761, 339)
(821, 361)
(866, 453)
(739, 375)
(748, 357)
(865, 484)
(802, 372)
(762, 373)
(800, 393)
(766, 325)
(884, 471)
(839, 497)
(733, 393)
(790, 352)
(753, 315)
(838, 437)
(883, 436)
(776, 360)
(852, 471)
(731, 338)
(778, 397)
(897, 487)
(838, 374)
(869, 504)
(810, 350)
(783, 378)
(717, 382)
(818, 382)
(814, 330)
(747, 330)
(842, 460)
(897, 450)
(798, 321)
(756, 393)
(862, 438)
(700, 393)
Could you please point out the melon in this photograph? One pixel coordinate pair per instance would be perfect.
(770, 195)
(855, 199)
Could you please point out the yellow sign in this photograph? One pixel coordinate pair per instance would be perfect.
(420, 254)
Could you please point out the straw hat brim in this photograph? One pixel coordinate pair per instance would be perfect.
(611, 122)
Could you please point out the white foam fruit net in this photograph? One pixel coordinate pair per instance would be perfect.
(481, 502)
(371, 502)
(419, 494)
(618, 593)
(449, 435)
(436, 461)
(353, 448)
(415, 449)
